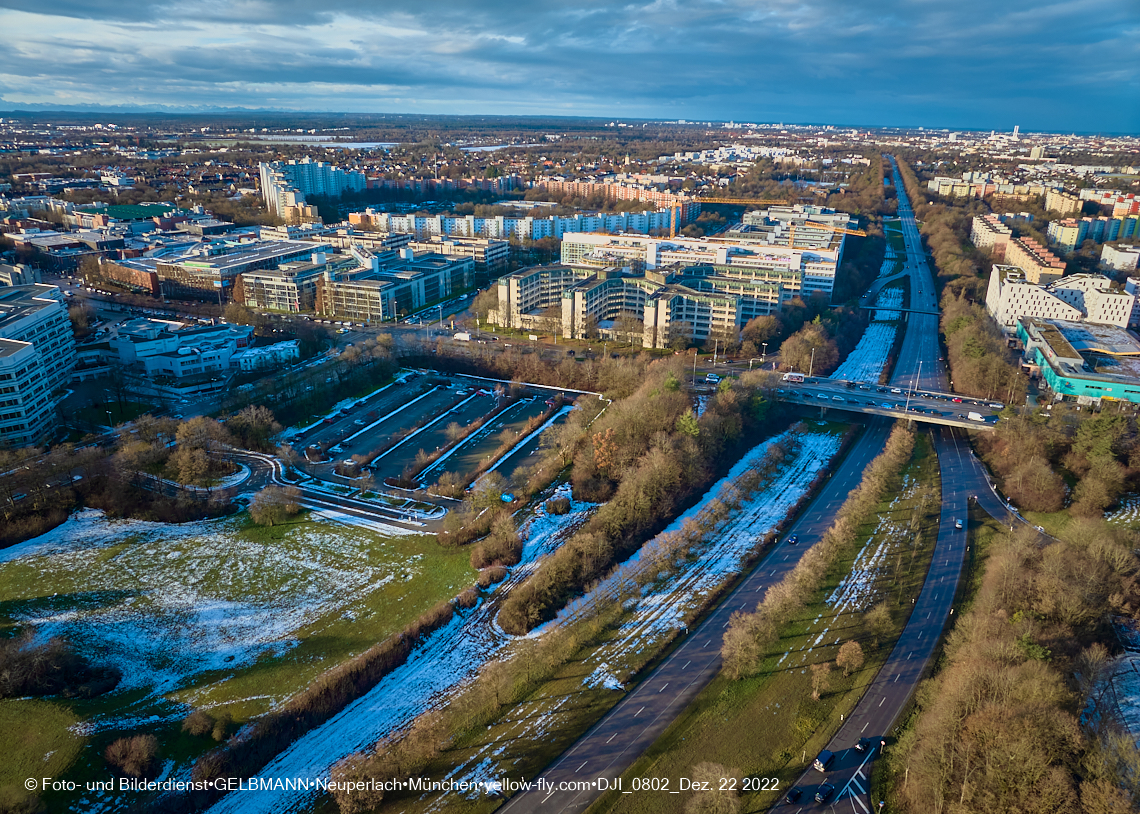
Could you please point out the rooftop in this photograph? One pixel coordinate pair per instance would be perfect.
(134, 211)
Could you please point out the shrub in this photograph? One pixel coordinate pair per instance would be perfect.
(558, 505)
(489, 576)
(134, 756)
(274, 504)
(198, 723)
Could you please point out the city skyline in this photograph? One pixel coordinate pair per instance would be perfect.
(969, 66)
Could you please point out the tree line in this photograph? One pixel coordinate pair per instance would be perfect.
(999, 728)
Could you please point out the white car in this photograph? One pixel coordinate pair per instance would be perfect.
(957, 524)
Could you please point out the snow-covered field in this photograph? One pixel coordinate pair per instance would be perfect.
(449, 657)
(166, 603)
(866, 362)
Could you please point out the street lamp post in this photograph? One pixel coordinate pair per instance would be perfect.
(764, 354)
(811, 365)
(110, 423)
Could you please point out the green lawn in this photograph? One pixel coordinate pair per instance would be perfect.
(768, 725)
(39, 743)
(129, 412)
(224, 614)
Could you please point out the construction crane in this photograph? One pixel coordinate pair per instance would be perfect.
(675, 216)
(823, 226)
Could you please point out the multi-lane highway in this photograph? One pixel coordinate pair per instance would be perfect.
(963, 479)
(616, 741)
(931, 407)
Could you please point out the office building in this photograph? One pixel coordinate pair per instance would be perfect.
(171, 349)
(1040, 265)
(798, 270)
(1082, 361)
(1076, 298)
(593, 296)
(384, 287)
(208, 270)
(19, 274)
(290, 288)
(989, 232)
(37, 355)
(490, 255)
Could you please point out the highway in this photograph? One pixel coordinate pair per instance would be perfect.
(930, 407)
(963, 478)
(615, 742)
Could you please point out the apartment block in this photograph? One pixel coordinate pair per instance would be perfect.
(989, 232)
(490, 255)
(1058, 201)
(1122, 257)
(284, 185)
(1040, 265)
(37, 355)
(1077, 298)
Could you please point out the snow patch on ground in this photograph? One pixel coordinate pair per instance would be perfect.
(447, 659)
(602, 677)
(1127, 513)
(868, 359)
(166, 603)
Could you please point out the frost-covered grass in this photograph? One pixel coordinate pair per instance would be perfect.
(218, 614)
(723, 723)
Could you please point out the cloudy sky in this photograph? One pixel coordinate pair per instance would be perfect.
(1064, 66)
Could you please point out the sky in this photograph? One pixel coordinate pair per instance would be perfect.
(1064, 66)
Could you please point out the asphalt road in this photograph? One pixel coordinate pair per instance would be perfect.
(963, 478)
(615, 742)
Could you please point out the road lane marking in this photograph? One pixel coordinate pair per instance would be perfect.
(663, 686)
(639, 712)
(884, 699)
(687, 663)
(612, 737)
(584, 762)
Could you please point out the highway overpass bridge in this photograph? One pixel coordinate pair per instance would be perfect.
(930, 407)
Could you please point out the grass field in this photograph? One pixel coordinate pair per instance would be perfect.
(769, 726)
(40, 743)
(223, 615)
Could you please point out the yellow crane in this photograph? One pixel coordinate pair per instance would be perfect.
(823, 226)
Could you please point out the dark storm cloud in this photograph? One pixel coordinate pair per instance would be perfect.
(1066, 65)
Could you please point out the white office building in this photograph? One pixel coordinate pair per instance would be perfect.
(1076, 298)
(37, 354)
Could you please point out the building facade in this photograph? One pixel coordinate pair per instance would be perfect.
(989, 232)
(284, 185)
(1076, 298)
(1040, 265)
(37, 355)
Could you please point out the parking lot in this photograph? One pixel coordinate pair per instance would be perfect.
(425, 426)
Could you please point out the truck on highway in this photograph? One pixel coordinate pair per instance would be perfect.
(975, 416)
(463, 336)
(793, 377)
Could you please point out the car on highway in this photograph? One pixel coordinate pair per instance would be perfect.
(359, 422)
(886, 406)
(793, 539)
(824, 792)
(822, 761)
(794, 794)
(837, 398)
(863, 745)
(956, 400)
(957, 524)
(822, 396)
